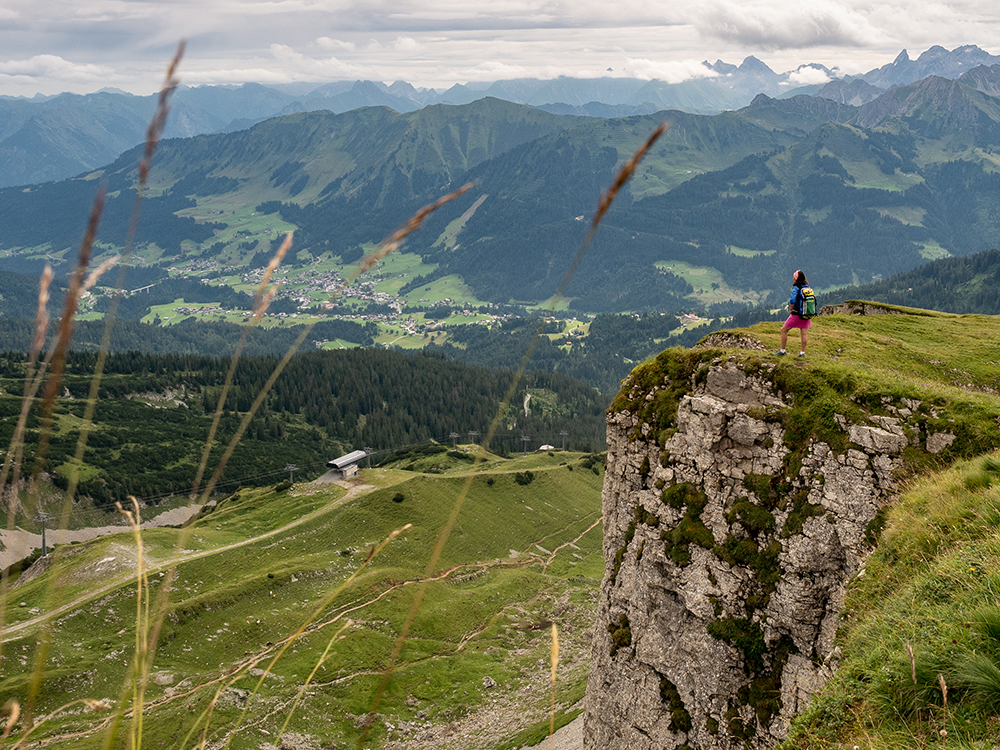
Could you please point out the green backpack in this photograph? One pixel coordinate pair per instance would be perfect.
(807, 302)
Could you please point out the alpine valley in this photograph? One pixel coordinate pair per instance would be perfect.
(741, 551)
(720, 210)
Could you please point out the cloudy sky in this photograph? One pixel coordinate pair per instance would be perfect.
(49, 46)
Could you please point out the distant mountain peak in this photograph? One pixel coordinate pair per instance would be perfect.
(935, 52)
(935, 61)
(752, 64)
(720, 67)
(985, 78)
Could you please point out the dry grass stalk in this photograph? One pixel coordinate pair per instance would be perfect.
(390, 244)
(155, 130)
(66, 322)
(41, 317)
(387, 246)
(140, 665)
(262, 301)
(13, 710)
(298, 696)
(98, 272)
(13, 458)
(552, 680)
(272, 267)
(394, 240)
(607, 198)
(57, 355)
(153, 134)
(140, 661)
(90, 704)
(913, 663)
(326, 602)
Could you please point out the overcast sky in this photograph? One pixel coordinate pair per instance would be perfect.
(49, 46)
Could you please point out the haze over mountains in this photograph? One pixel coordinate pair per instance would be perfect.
(853, 193)
(50, 138)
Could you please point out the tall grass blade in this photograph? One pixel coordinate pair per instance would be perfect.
(12, 709)
(987, 624)
(623, 176)
(298, 696)
(12, 461)
(552, 680)
(982, 676)
(79, 284)
(387, 246)
(88, 703)
(324, 603)
(261, 302)
(58, 359)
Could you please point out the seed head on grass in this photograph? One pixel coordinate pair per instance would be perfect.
(605, 202)
(12, 709)
(607, 198)
(42, 314)
(262, 300)
(159, 121)
(393, 241)
(625, 174)
(271, 268)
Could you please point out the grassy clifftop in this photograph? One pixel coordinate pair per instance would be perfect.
(857, 367)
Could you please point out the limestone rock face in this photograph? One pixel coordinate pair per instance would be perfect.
(727, 554)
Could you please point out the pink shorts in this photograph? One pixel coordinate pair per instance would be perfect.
(794, 321)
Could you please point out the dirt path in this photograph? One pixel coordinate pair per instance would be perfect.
(353, 491)
(18, 543)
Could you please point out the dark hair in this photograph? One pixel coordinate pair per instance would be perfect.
(800, 278)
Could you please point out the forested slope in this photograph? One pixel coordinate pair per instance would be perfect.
(154, 412)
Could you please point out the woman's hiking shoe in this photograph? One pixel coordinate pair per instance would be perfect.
(802, 355)
(780, 353)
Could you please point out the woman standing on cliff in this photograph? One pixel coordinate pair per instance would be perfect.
(796, 308)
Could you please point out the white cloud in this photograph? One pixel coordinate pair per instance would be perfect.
(406, 44)
(437, 43)
(667, 71)
(335, 44)
(53, 66)
(808, 75)
(294, 66)
(784, 25)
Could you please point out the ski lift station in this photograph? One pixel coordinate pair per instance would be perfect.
(347, 465)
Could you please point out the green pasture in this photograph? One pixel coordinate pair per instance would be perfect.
(521, 555)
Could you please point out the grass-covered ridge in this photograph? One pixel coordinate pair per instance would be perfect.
(857, 367)
(522, 556)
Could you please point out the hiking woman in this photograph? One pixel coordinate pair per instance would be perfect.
(795, 319)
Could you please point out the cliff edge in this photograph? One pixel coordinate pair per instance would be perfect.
(742, 494)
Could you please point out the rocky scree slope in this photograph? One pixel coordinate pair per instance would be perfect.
(741, 496)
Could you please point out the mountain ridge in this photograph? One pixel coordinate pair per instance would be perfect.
(208, 109)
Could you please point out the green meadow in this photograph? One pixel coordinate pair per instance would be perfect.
(524, 552)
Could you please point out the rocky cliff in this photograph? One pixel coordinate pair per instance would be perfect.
(741, 495)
